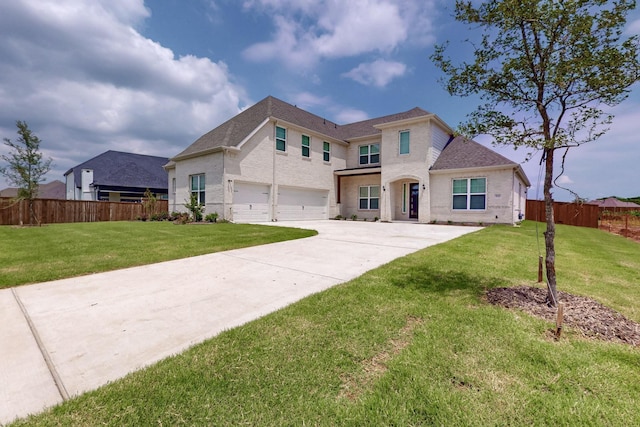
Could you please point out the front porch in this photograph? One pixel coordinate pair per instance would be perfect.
(362, 192)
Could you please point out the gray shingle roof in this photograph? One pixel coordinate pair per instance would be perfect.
(235, 130)
(612, 202)
(119, 169)
(366, 127)
(462, 153)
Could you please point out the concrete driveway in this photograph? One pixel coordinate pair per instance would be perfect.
(62, 338)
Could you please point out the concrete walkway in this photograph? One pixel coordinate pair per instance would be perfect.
(62, 338)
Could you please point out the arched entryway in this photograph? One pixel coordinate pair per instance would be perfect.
(405, 199)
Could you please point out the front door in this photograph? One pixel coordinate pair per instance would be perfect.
(414, 192)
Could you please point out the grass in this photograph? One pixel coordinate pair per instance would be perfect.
(410, 343)
(38, 254)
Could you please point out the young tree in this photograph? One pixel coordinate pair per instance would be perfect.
(545, 70)
(25, 165)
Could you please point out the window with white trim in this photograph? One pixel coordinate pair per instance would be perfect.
(281, 139)
(404, 197)
(306, 146)
(197, 187)
(369, 154)
(470, 194)
(326, 151)
(404, 142)
(369, 197)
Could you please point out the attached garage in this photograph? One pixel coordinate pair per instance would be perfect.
(302, 204)
(250, 202)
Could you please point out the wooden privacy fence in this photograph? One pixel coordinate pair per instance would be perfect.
(579, 214)
(51, 211)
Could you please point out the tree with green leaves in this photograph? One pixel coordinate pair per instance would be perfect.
(26, 166)
(546, 71)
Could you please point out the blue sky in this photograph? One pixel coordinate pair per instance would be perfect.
(152, 76)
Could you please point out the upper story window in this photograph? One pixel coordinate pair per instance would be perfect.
(281, 139)
(369, 154)
(197, 187)
(470, 194)
(326, 151)
(306, 146)
(404, 142)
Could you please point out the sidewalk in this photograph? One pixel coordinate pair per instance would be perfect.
(90, 330)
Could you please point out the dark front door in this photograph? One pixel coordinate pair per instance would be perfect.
(414, 191)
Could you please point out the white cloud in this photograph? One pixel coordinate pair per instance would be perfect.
(86, 80)
(633, 27)
(377, 73)
(563, 180)
(350, 115)
(308, 31)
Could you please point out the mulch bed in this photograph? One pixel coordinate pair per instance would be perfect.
(585, 315)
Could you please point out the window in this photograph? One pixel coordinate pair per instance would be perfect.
(173, 186)
(404, 142)
(326, 151)
(370, 197)
(197, 187)
(369, 154)
(404, 198)
(470, 194)
(281, 139)
(305, 146)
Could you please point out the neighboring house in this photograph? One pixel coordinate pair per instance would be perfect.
(614, 203)
(50, 190)
(275, 162)
(117, 177)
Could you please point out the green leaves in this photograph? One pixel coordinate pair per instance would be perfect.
(544, 69)
(25, 165)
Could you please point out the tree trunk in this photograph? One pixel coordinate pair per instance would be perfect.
(32, 214)
(550, 234)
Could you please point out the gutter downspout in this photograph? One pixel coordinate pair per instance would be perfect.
(273, 170)
(224, 190)
(513, 191)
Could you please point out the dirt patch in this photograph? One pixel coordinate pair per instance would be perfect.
(583, 314)
(628, 227)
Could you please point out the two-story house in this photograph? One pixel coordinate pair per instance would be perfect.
(276, 162)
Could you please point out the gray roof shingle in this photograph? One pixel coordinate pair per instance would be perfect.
(235, 130)
(462, 153)
(119, 169)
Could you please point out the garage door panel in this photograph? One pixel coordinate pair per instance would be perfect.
(250, 202)
(302, 204)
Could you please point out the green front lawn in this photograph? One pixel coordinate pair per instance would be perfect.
(410, 343)
(38, 254)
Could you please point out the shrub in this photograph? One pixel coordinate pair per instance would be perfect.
(354, 217)
(160, 216)
(181, 217)
(212, 217)
(196, 208)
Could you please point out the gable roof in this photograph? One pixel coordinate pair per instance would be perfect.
(50, 190)
(119, 169)
(235, 130)
(462, 153)
(612, 202)
(367, 127)
(232, 132)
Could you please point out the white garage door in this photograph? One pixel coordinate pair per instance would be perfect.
(250, 202)
(301, 204)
